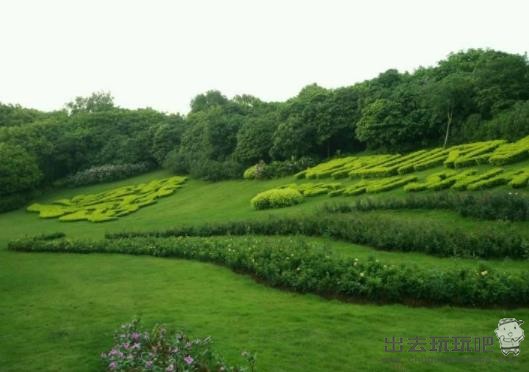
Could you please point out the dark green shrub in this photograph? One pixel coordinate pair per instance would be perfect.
(213, 170)
(176, 162)
(14, 201)
(278, 169)
(497, 205)
(508, 206)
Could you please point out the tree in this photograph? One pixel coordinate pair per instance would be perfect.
(207, 100)
(254, 138)
(451, 97)
(167, 136)
(19, 171)
(96, 102)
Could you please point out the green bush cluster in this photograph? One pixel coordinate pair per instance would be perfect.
(277, 198)
(383, 232)
(108, 205)
(305, 268)
(508, 206)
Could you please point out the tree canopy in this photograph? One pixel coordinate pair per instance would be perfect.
(471, 95)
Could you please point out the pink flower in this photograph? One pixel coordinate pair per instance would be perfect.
(188, 359)
(135, 336)
(170, 368)
(112, 365)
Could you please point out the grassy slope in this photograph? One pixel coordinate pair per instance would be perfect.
(57, 311)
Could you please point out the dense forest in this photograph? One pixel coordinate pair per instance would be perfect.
(471, 95)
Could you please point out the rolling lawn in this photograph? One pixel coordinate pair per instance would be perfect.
(58, 311)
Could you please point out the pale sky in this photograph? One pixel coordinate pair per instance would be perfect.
(162, 53)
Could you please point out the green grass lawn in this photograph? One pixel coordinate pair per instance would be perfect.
(58, 311)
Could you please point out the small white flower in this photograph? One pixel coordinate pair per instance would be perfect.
(483, 273)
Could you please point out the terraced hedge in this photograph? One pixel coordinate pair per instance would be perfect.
(108, 205)
(301, 267)
(496, 152)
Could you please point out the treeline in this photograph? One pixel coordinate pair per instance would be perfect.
(471, 95)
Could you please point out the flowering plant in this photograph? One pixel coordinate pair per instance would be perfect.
(157, 350)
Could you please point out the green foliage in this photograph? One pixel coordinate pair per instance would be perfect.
(510, 153)
(473, 95)
(213, 170)
(276, 169)
(97, 102)
(389, 184)
(314, 189)
(14, 201)
(277, 198)
(108, 205)
(19, 171)
(13, 115)
(463, 182)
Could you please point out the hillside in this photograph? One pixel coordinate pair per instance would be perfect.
(78, 299)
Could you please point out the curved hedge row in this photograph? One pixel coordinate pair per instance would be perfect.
(506, 206)
(382, 232)
(303, 268)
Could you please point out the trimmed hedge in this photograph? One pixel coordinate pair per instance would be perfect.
(277, 198)
(511, 153)
(382, 232)
(508, 206)
(308, 269)
(464, 182)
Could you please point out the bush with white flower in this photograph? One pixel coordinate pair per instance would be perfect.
(158, 350)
